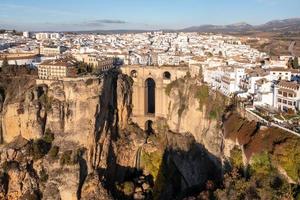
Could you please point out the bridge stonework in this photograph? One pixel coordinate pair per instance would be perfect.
(162, 76)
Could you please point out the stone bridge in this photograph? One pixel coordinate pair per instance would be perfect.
(150, 101)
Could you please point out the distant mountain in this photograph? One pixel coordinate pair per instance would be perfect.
(275, 25)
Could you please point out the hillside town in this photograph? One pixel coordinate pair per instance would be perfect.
(268, 86)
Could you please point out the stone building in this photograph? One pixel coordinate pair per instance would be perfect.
(56, 69)
(287, 96)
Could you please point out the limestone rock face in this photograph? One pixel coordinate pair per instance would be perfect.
(93, 190)
(21, 184)
(22, 118)
(85, 116)
(187, 115)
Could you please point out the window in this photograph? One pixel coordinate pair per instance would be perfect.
(167, 75)
(279, 100)
(291, 95)
(285, 101)
(290, 103)
(280, 92)
(284, 94)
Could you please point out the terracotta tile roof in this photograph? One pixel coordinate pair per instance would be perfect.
(60, 62)
(289, 85)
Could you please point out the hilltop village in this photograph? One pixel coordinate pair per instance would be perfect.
(151, 115)
(267, 86)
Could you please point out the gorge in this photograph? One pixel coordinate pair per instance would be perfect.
(78, 139)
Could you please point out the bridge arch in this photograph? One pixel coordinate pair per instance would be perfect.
(150, 96)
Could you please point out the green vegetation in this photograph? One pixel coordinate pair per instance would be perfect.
(53, 153)
(65, 158)
(262, 182)
(214, 102)
(128, 188)
(48, 136)
(288, 157)
(236, 158)
(261, 164)
(84, 68)
(40, 147)
(172, 85)
(43, 175)
(202, 94)
(69, 157)
(151, 162)
(295, 63)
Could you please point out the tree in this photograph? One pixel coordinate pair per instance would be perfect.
(290, 63)
(295, 63)
(5, 62)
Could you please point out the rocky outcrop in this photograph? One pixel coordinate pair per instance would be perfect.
(194, 108)
(92, 189)
(86, 116)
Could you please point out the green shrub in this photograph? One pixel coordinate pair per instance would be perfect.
(53, 153)
(128, 188)
(43, 175)
(48, 136)
(66, 158)
(236, 158)
(261, 164)
(151, 162)
(288, 157)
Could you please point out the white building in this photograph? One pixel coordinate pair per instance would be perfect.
(42, 36)
(264, 93)
(230, 81)
(287, 96)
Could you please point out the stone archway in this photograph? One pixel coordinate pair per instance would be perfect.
(150, 96)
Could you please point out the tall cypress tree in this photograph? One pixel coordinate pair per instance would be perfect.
(296, 63)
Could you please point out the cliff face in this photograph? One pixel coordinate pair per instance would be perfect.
(75, 140)
(85, 117)
(194, 108)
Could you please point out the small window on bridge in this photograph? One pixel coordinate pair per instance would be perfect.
(133, 73)
(167, 76)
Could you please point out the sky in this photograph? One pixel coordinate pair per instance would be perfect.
(64, 15)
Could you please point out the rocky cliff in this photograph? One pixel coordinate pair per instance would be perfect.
(75, 140)
(86, 118)
(196, 109)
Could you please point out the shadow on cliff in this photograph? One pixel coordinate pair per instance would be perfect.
(184, 173)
